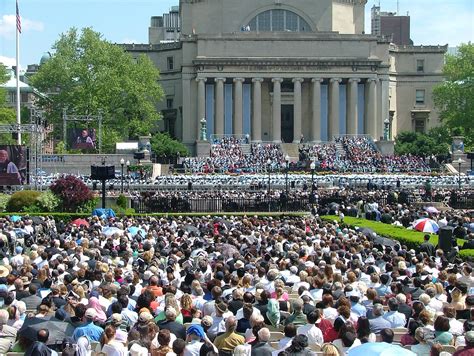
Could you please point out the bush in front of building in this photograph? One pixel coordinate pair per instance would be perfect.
(22, 201)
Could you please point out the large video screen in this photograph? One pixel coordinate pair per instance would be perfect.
(12, 165)
(82, 138)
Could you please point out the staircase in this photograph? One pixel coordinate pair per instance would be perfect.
(340, 152)
(451, 169)
(291, 150)
(245, 147)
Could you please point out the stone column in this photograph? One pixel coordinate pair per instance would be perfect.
(333, 112)
(276, 122)
(201, 102)
(371, 108)
(238, 105)
(352, 113)
(316, 119)
(257, 110)
(219, 124)
(297, 109)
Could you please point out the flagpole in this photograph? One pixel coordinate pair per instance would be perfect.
(18, 96)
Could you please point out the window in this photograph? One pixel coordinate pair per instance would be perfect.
(169, 103)
(420, 97)
(420, 65)
(278, 20)
(420, 125)
(170, 63)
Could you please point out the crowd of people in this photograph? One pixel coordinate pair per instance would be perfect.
(227, 156)
(257, 286)
(359, 154)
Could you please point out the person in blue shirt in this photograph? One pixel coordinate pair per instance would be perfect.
(393, 316)
(88, 329)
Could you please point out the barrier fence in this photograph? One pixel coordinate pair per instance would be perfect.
(220, 205)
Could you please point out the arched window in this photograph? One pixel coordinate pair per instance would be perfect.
(278, 20)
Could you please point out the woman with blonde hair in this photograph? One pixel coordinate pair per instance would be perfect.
(79, 290)
(186, 308)
(330, 350)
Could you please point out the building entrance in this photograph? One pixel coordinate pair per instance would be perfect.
(287, 123)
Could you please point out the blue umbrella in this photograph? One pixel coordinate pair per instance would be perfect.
(15, 218)
(134, 230)
(379, 349)
(111, 230)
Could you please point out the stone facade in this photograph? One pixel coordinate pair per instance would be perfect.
(276, 70)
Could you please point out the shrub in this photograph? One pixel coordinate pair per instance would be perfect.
(4, 198)
(72, 191)
(48, 201)
(122, 201)
(21, 200)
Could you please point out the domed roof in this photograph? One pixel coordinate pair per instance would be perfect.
(46, 57)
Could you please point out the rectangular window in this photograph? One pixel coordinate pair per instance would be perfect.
(420, 65)
(24, 97)
(170, 63)
(420, 96)
(169, 103)
(420, 125)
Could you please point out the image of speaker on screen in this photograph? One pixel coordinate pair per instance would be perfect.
(12, 165)
(83, 139)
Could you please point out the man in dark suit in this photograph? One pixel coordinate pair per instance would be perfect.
(403, 307)
(170, 324)
(262, 347)
(427, 247)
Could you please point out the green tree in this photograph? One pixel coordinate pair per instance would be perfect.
(163, 145)
(88, 74)
(424, 145)
(455, 96)
(7, 115)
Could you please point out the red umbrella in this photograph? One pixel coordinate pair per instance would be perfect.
(79, 222)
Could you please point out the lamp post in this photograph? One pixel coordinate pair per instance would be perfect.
(128, 174)
(287, 168)
(313, 167)
(269, 162)
(459, 161)
(122, 163)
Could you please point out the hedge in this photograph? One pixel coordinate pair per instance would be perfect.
(72, 216)
(410, 238)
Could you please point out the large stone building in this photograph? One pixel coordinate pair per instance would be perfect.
(278, 69)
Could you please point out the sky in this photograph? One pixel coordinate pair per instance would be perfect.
(126, 21)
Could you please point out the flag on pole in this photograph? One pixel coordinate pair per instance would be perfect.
(18, 18)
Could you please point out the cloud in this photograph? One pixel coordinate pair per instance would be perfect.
(8, 61)
(8, 26)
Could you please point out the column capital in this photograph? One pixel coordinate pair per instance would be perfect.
(333, 80)
(277, 80)
(219, 79)
(316, 80)
(254, 80)
(199, 79)
(235, 80)
(375, 80)
(301, 80)
(354, 80)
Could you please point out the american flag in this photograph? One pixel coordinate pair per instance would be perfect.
(18, 18)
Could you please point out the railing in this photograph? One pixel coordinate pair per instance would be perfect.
(242, 138)
(219, 205)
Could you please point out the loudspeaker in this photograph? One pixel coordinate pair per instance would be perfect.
(445, 240)
(190, 186)
(139, 155)
(293, 184)
(102, 172)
